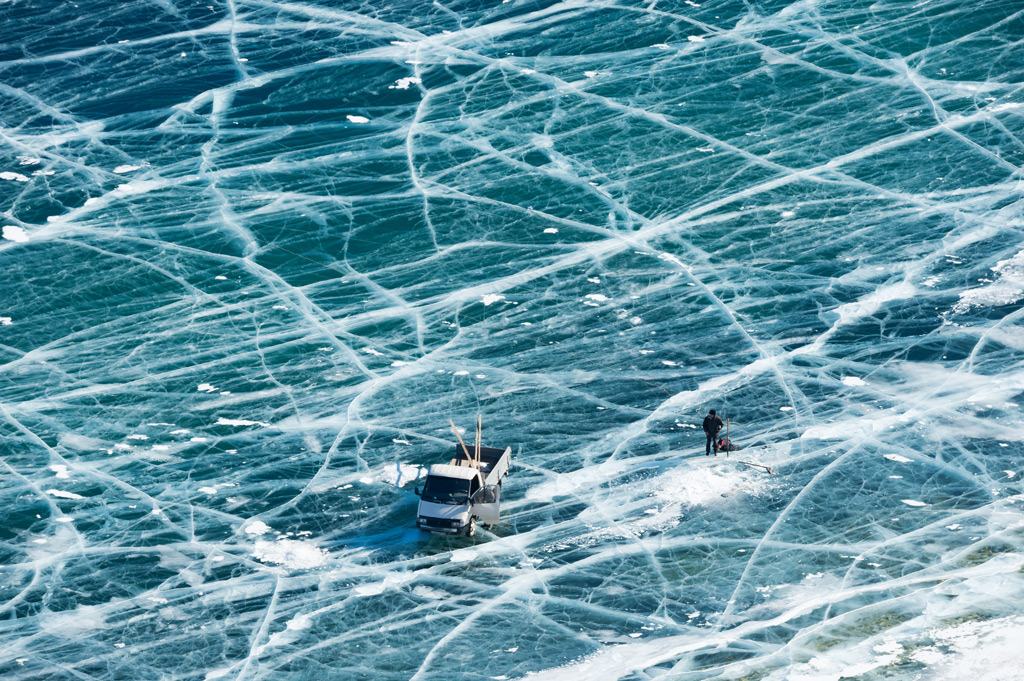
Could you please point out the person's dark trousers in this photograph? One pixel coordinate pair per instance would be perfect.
(707, 449)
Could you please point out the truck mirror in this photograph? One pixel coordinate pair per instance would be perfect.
(417, 491)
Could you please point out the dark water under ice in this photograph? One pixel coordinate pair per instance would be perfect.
(255, 254)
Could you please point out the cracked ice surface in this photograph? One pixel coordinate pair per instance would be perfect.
(255, 254)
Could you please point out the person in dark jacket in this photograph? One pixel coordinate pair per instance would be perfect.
(712, 424)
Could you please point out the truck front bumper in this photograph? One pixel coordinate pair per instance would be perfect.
(440, 525)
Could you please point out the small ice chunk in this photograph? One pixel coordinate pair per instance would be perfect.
(240, 422)
(15, 233)
(661, 46)
(357, 119)
(636, 635)
(61, 494)
(13, 177)
(5, 321)
(197, 439)
(120, 170)
(551, 230)
(787, 214)
(489, 298)
(137, 436)
(206, 387)
(221, 277)
(669, 363)
(591, 74)
(462, 373)
(209, 490)
(299, 623)
(256, 528)
(897, 458)
(913, 502)
(404, 83)
(597, 297)
(60, 471)
(695, 38)
(29, 161)
(366, 481)
(400, 441)
(1009, 474)
(372, 351)
(853, 380)
(954, 527)
(785, 408)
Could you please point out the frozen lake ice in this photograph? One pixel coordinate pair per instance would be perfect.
(255, 254)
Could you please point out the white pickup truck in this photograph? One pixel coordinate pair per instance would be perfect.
(466, 489)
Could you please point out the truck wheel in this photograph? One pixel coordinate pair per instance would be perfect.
(471, 527)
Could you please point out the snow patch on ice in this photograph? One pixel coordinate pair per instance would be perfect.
(15, 233)
(256, 528)
(61, 494)
(240, 422)
(292, 553)
(897, 458)
(1008, 287)
(490, 298)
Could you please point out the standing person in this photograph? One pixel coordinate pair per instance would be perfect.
(712, 424)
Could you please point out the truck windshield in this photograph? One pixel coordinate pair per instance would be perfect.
(440, 490)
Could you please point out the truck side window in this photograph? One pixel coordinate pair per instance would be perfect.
(474, 485)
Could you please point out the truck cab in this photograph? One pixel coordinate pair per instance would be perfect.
(457, 494)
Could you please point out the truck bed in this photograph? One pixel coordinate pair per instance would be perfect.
(492, 460)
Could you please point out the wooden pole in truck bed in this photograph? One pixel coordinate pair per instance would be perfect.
(459, 437)
(479, 429)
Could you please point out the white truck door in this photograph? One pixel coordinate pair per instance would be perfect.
(485, 504)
